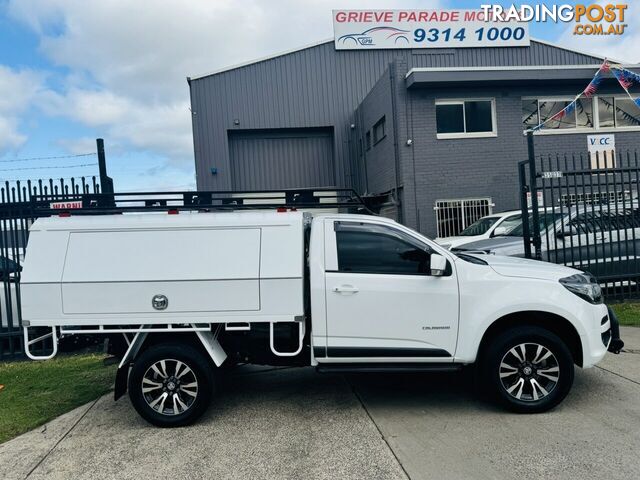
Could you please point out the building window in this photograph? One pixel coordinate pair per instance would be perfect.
(599, 112)
(453, 216)
(627, 113)
(368, 140)
(595, 198)
(379, 130)
(535, 111)
(465, 118)
(530, 113)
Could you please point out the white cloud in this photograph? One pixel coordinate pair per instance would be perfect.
(128, 60)
(624, 48)
(18, 87)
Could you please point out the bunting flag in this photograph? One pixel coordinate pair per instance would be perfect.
(592, 88)
(589, 91)
(626, 79)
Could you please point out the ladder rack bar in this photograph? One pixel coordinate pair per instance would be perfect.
(111, 203)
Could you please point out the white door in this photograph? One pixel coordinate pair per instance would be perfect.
(382, 303)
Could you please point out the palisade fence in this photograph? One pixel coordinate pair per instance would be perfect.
(16, 216)
(587, 215)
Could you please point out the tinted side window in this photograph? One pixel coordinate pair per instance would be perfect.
(366, 248)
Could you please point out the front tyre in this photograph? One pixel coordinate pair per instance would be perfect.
(171, 385)
(528, 369)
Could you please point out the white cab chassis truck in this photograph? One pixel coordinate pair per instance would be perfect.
(190, 294)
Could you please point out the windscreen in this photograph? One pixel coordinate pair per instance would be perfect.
(479, 227)
(545, 220)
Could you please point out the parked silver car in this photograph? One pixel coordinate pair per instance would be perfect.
(601, 239)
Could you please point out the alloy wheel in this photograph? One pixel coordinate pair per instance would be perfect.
(529, 372)
(170, 387)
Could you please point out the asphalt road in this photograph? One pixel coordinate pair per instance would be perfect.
(294, 423)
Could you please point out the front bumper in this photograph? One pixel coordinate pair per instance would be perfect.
(602, 336)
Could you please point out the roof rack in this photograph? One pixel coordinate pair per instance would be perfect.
(224, 200)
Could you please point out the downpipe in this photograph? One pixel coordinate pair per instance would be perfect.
(616, 343)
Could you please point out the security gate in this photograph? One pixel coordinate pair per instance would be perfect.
(584, 213)
(453, 216)
(16, 216)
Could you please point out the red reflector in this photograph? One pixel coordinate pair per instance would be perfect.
(281, 209)
(173, 212)
(64, 214)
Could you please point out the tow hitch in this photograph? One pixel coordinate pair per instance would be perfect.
(616, 344)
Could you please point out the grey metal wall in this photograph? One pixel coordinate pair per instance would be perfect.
(377, 162)
(319, 87)
(267, 159)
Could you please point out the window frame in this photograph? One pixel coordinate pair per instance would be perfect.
(380, 123)
(378, 229)
(595, 105)
(465, 134)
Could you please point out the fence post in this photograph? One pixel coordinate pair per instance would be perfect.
(106, 183)
(524, 189)
(535, 219)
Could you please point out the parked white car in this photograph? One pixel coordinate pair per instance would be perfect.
(494, 225)
(340, 292)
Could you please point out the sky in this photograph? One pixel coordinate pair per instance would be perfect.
(75, 70)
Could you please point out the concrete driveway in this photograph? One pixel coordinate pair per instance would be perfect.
(294, 423)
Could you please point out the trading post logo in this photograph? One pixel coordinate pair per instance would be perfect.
(590, 19)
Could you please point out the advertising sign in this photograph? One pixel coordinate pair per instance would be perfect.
(605, 147)
(65, 205)
(374, 29)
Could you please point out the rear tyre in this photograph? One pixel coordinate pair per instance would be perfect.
(171, 385)
(527, 369)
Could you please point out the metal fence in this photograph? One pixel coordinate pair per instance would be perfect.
(584, 213)
(16, 216)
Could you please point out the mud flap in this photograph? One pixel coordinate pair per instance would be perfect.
(122, 375)
(616, 344)
(212, 346)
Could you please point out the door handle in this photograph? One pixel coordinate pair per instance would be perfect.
(345, 289)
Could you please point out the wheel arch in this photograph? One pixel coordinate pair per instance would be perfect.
(553, 322)
(205, 342)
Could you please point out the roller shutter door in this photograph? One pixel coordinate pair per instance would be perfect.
(272, 159)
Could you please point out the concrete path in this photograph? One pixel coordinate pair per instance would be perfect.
(294, 423)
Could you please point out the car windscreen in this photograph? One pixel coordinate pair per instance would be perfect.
(545, 220)
(509, 224)
(479, 227)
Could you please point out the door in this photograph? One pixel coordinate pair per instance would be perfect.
(283, 158)
(382, 303)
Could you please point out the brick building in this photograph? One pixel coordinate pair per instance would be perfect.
(436, 134)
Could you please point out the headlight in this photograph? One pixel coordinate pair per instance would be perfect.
(585, 286)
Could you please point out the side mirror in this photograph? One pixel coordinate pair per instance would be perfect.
(438, 265)
(499, 231)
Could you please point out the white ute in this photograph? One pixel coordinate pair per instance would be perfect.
(195, 292)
